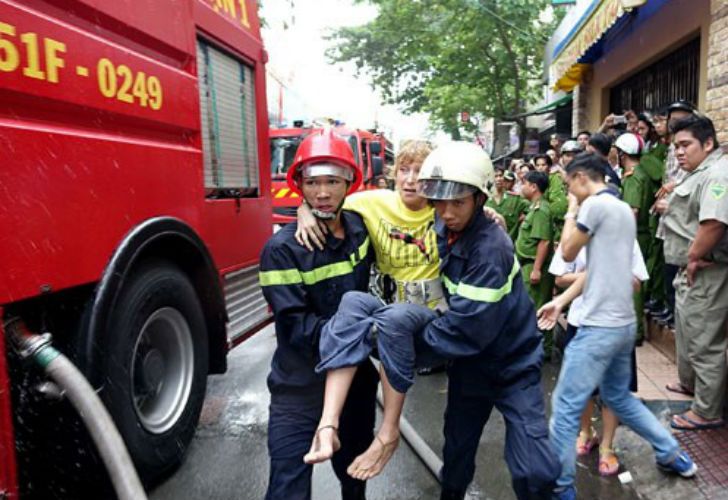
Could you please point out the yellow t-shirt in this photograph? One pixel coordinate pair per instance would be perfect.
(391, 225)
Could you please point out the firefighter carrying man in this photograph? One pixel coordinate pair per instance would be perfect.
(304, 290)
(488, 332)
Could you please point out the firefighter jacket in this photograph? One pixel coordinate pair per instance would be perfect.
(304, 289)
(490, 327)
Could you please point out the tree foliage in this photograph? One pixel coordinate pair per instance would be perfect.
(444, 57)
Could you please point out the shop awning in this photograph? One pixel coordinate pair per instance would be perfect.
(548, 108)
(569, 66)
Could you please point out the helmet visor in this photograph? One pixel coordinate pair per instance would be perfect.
(321, 169)
(436, 189)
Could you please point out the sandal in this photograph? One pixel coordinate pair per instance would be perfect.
(585, 443)
(684, 423)
(678, 388)
(608, 462)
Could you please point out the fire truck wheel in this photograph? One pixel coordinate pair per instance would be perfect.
(156, 367)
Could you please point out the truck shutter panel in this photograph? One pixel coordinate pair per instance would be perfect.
(207, 125)
(228, 121)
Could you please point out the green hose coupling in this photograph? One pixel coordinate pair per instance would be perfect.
(45, 354)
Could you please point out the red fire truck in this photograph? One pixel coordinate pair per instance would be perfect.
(135, 197)
(371, 151)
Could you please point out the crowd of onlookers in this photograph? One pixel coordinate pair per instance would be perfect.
(669, 167)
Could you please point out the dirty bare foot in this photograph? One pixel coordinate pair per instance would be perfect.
(371, 462)
(325, 444)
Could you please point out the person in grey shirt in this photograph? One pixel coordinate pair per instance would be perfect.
(600, 353)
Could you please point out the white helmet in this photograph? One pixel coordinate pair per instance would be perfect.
(571, 146)
(630, 144)
(455, 170)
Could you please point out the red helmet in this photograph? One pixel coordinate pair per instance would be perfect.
(324, 147)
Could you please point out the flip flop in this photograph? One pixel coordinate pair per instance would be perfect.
(694, 425)
(678, 388)
(585, 445)
(608, 462)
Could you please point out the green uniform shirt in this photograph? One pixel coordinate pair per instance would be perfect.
(637, 193)
(556, 195)
(511, 206)
(702, 195)
(535, 227)
(653, 162)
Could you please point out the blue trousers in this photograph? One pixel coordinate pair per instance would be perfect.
(363, 326)
(531, 460)
(291, 428)
(601, 357)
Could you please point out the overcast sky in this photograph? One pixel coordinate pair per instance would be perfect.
(296, 57)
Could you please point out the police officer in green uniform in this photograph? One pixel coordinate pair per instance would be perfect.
(653, 165)
(637, 193)
(556, 192)
(533, 245)
(511, 206)
(696, 240)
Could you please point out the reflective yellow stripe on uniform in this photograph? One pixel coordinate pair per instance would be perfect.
(295, 276)
(481, 293)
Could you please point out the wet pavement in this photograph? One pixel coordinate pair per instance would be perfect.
(228, 457)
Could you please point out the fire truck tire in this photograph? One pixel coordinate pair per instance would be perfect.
(155, 367)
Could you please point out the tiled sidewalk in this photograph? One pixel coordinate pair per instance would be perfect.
(654, 371)
(708, 448)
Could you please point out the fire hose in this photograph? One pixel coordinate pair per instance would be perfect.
(82, 396)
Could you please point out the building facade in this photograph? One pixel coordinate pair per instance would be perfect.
(614, 55)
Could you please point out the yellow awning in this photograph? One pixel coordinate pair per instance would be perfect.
(573, 77)
(566, 68)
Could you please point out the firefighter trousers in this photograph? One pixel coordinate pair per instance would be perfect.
(531, 460)
(291, 429)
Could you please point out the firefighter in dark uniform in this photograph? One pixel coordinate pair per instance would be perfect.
(489, 330)
(304, 290)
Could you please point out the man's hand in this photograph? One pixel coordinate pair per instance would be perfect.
(549, 314)
(311, 231)
(495, 217)
(607, 123)
(573, 203)
(664, 190)
(694, 266)
(535, 277)
(661, 205)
